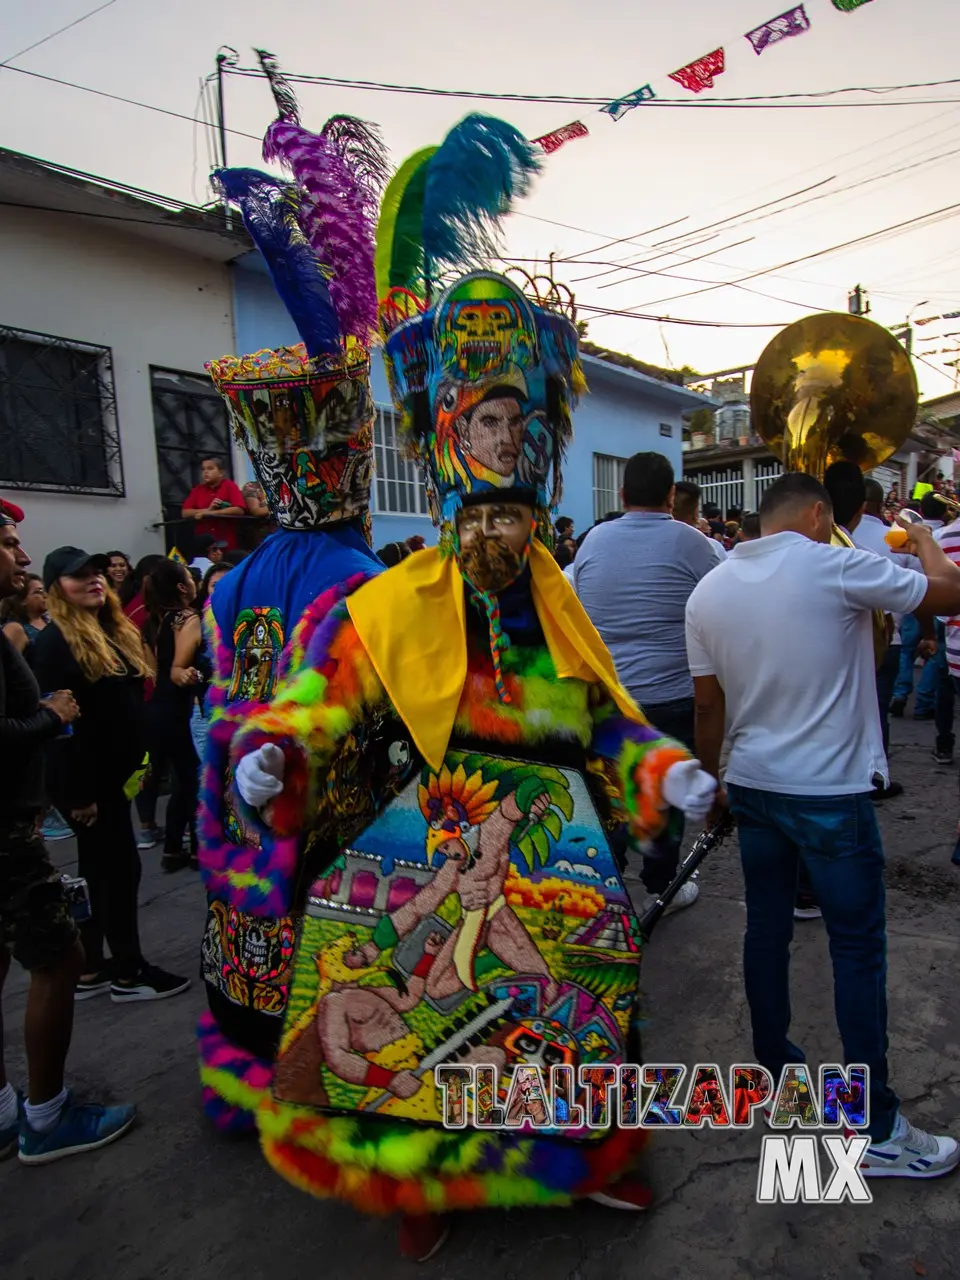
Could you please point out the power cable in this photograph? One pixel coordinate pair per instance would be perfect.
(763, 100)
(948, 211)
(832, 160)
(877, 177)
(132, 102)
(59, 32)
(709, 226)
(117, 217)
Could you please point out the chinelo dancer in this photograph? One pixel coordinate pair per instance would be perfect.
(305, 416)
(460, 731)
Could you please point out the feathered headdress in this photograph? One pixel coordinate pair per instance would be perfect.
(443, 209)
(340, 173)
(484, 377)
(305, 413)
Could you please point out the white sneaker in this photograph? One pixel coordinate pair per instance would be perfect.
(686, 897)
(910, 1153)
(807, 913)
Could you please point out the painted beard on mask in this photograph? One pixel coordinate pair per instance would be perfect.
(489, 565)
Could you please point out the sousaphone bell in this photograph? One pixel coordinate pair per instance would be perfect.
(834, 386)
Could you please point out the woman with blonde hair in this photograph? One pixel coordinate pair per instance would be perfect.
(91, 648)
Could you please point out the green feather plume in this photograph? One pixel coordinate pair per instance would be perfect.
(399, 257)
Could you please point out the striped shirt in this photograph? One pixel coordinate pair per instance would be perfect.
(949, 539)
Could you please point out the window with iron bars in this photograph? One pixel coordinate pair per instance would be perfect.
(607, 482)
(766, 474)
(58, 416)
(723, 487)
(399, 488)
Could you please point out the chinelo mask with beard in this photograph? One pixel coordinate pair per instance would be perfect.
(494, 544)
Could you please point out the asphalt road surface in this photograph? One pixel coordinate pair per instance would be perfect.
(172, 1199)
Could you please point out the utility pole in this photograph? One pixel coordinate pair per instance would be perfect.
(226, 57)
(858, 304)
(905, 335)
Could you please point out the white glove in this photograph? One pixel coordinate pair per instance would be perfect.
(260, 775)
(686, 786)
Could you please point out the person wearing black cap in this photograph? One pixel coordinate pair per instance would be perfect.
(93, 649)
(208, 552)
(36, 926)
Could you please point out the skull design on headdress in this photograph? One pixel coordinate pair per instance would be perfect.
(484, 380)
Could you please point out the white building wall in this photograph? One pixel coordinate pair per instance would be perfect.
(77, 278)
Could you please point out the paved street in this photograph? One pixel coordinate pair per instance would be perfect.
(173, 1200)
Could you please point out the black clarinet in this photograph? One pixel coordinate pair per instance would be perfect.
(704, 844)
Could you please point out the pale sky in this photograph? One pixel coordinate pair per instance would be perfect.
(653, 166)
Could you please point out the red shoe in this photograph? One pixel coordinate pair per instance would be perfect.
(423, 1235)
(628, 1194)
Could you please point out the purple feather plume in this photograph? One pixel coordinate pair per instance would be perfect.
(338, 175)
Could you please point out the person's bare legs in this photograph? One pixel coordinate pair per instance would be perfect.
(48, 1025)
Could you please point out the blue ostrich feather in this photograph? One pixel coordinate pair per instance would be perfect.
(482, 166)
(270, 212)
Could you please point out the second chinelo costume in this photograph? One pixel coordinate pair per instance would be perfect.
(305, 415)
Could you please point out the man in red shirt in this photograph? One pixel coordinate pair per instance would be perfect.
(216, 492)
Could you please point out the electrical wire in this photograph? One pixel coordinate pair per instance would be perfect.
(132, 102)
(843, 155)
(762, 100)
(878, 177)
(699, 324)
(117, 217)
(709, 226)
(59, 32)
(948, 211)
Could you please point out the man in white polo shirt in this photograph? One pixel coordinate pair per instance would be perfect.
(780, 644)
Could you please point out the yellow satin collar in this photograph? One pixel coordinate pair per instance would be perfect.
(412, 623)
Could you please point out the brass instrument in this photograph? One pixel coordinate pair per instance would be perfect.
(831, 387)
(951, 509)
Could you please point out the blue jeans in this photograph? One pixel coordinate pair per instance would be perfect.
(838, 841)
(887, 675)
(929, 677)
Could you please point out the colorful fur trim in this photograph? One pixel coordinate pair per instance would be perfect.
(234, 1081)
(384, 1168)
(257, 874)
(643, 757)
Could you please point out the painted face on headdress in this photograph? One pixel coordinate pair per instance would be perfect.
(485, 377)
(307, 429)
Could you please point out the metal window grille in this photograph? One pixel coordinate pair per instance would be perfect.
(724, 487)
(190, 423)
(399, 490)
(607, 482)
(58, 416)
(764, 476)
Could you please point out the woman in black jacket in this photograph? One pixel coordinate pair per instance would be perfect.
(92, 649)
